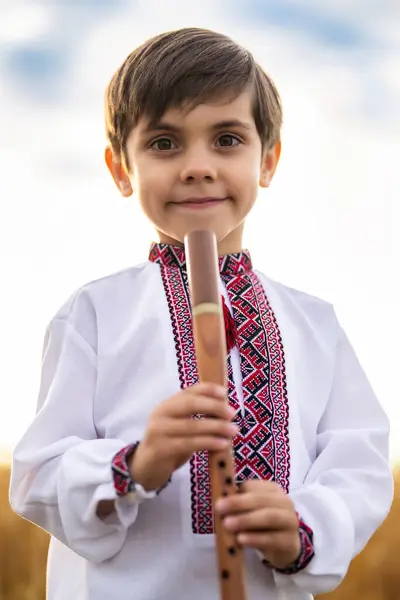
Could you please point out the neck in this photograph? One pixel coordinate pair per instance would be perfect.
(230, 244)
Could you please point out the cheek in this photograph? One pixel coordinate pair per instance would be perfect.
(143, 177)
(148, 185)
(246, 178)
(247, 168)
(152, 189)
(154, 175)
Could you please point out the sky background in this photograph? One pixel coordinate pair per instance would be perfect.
(327, 225)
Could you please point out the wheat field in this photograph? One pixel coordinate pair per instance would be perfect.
(373, 575)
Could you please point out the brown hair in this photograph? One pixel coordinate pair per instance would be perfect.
(187, 66)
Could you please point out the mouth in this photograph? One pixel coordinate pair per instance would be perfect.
(204, 202)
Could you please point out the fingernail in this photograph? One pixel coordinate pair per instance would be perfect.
(230, 522)
(221, 506)
(223, 443)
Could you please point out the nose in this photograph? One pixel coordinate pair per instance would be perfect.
(198, 167)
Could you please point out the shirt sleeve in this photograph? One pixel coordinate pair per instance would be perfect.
(60, 469)
(348, 490)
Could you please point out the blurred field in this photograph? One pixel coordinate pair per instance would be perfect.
(374, 574)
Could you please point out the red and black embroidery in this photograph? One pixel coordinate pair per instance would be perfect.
(306, 553)
(123, 483)
(174, 256)
(262, 445)
(176, 289)
(167, 255)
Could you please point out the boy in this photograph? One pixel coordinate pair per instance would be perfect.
(114, 466)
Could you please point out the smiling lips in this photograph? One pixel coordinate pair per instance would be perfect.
(200, 202)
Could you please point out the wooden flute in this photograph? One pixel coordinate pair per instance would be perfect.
(211, 353)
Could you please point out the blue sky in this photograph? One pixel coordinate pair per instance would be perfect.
(43, 60)
(311, 21)
(37, 67)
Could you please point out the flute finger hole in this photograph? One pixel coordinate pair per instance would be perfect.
(225, 574)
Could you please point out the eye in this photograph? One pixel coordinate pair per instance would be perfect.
(162, 144)
(227, 140)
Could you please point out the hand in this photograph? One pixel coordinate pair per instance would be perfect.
(172, 435)
(263, 517)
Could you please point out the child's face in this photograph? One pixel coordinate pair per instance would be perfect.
(198, 170)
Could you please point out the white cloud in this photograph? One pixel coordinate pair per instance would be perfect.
(23, 20)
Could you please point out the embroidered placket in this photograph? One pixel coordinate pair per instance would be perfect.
(261, 447)
(262, 444)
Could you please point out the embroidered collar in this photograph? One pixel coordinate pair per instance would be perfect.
(174, 256)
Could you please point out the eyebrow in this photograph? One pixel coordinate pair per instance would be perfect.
(226, 124)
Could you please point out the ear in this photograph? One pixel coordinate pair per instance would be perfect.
(269, 163)
(118, 172)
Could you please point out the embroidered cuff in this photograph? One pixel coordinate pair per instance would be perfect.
(123, 482)
(306, 553)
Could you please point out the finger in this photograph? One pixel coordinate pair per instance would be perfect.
(199, 428)
(258, 485)
(262, 540)
(265, 519)
(189, 445)
(246, 501)
(194, 403)
(239, 503)
(213, 390)
(284, 548)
